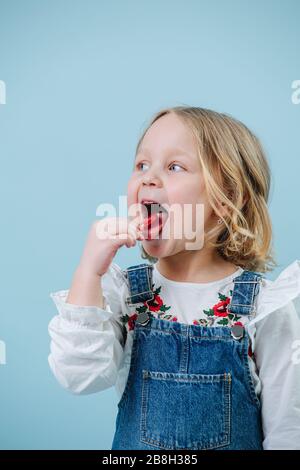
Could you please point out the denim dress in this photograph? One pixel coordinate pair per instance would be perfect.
(189, 386)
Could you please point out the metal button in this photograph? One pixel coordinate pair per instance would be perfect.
(143, 318)
(237, 331)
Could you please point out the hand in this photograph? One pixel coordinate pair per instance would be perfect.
(105, 237)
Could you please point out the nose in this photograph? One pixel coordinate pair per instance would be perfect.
(151, 178)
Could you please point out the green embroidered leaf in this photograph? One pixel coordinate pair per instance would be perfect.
(124, 318)
(224, 321)
(230, 316)
(167, 317)
(142, 309)
(222, 297)
(163, 308)
(209, 313)
(157, 291)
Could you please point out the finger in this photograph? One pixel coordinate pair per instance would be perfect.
(120, 240)
(137, 218)
(133, 231)
(135, 209)
(131, 242)
(112, 226)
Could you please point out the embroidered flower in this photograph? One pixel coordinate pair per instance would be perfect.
(154, 307)
(131, 321)
(218, 313)
(220, 309)
(154, 304)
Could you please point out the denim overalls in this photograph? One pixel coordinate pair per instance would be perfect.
(189, 386)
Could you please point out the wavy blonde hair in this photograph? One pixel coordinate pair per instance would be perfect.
(236, 173)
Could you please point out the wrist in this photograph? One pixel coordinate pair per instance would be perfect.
(86, 272)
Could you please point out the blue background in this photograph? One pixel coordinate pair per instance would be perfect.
(83, 78)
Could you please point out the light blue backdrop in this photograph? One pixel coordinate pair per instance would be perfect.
(82, 79)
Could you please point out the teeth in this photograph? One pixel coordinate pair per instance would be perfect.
(154, 207)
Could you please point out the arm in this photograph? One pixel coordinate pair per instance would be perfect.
(86, 289)
(279, 373)
(87, 335)
(86, 340)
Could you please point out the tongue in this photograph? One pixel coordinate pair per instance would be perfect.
(153, 225)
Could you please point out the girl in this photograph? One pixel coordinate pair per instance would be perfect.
(202, 348)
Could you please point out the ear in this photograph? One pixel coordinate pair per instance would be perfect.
(245, 200)
(223, 209)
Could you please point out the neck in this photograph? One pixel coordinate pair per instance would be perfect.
(195, 266)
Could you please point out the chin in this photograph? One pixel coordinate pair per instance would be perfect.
(157, 248)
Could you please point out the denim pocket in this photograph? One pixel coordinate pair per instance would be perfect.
(185, 411)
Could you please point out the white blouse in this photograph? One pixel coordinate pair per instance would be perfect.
(89, 353)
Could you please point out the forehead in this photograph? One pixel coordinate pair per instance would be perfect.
(169, 134)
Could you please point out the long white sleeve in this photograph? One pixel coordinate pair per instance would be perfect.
(277, 341)
(86, 348)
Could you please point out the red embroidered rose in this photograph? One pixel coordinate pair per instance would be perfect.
(131, 321)
(238, 323)
(174, 319)
(220, 309)
(154, 304)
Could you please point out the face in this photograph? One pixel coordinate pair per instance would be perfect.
(167, 170)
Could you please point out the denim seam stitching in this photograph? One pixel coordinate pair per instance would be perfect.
(129, 377)
(201, 337)
(249, 380)
(228, 407)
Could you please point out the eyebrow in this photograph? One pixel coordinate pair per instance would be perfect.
(170, 150)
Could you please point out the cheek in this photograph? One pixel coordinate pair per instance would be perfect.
(187, 191)
(194, 208)
(132, 192)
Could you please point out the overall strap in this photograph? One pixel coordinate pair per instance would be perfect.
(246, 288)
(140, 283)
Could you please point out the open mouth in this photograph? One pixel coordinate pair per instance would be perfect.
(155, 216)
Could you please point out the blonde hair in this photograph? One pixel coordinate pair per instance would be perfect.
(236, 173)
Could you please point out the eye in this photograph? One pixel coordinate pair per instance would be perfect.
(138, 166)
(176, 164)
